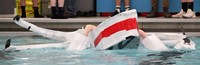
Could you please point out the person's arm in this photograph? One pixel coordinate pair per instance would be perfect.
(152, 42)
(88, 28)
(142, 34)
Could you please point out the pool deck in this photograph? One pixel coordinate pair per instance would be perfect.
(159, 24)
(27, 33)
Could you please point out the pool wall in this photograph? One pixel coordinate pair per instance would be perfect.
(71, 24)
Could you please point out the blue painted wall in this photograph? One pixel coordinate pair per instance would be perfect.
(143, 5)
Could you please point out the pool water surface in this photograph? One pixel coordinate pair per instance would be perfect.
(59, 56)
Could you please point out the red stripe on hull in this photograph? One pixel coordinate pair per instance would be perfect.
(127, 24)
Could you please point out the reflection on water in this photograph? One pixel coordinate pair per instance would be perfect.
(165, 58)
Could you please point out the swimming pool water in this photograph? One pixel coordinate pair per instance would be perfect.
(58, 56)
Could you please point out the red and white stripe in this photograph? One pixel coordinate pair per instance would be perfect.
(112, 31)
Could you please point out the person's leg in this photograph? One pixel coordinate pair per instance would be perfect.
(35, 8)
(60, 9)
(60, 3)
(23, 8)
(53, 9)
(23, 2)
(88, 28)
(118, 7)
(127, 5)
(183, 9)
(35, 3)
(191, 5)
(184, 5)
(70, 6)
(165, 5)
(190, 0)
(154, 9)
(53, 3)
(184, 0)
(118, 3)
(190, 13)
